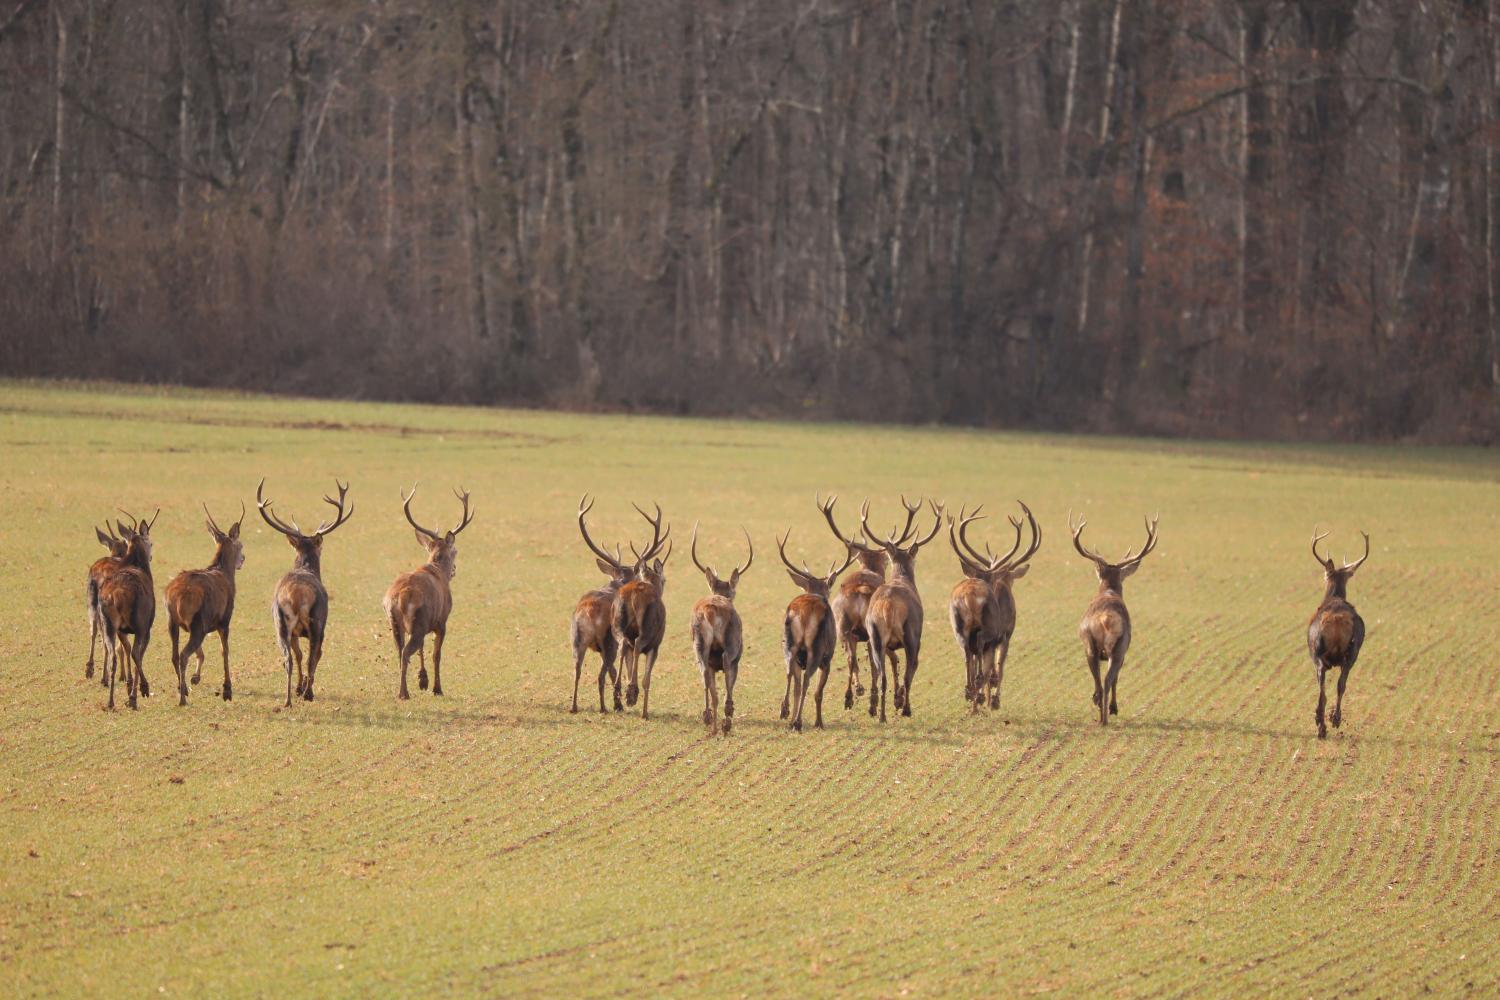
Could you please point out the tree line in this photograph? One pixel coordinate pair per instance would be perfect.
(1232, 217)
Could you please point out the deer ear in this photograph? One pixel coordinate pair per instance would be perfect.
(1129, 570)
(234, 530)
(103, 538)
(734, 578)
(448, 538)
(291, 541)
(1016, 574)
(422, 539)
(120, 527)
(604, 567)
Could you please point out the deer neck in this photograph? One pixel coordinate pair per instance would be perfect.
(224, 563)
(308, 562)
(1337, 587)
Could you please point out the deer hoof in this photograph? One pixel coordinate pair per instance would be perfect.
(708, 718)
(103, 681)
(196, 679)
(437, 691)
(403, 696)
(728, 725)
(994, 701)
(145, 687)
(632, 695)
(88, 670)
(797, 726)
(228, 693)
(1115, 710)
(1336, 718)
(1322, 731)
(307, 695)
(785, 711)
(422, 681)
(849, 699)
(574, 710)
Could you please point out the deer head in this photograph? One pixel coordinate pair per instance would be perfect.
(902, 549)
(111, 541)
(1337, 577)
(723, 588)
(230, 553)
(308, 547)
(820, 586)
(995, 570)
(871, 557)
(442, 552)
(138, 536)
(647, 566)
(1112, 575)
(610, 565)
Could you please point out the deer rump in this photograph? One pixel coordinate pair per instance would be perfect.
(1103, 629)
(975, 614)
(640, 619)
(296, 603)
(1335, 636)
(809, 632)
(715, 637)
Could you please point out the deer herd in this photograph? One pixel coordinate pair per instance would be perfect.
(624, 622)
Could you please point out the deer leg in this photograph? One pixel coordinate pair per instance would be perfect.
(110, 668)
(897, 694)
(294, 655)
(646, 680)
(438, 635)
(607, 668)
(877, 673)
(804, 676)
(912, 649)
(224, 644)
(999, 670)
(786, 698)
(315, 637)
(853, 649)
(88, 668)
(1107, 705)
(1093, 658)
(138, 677)
(412, 645)
(287, 645)
(710, 699)
(421, 668)
(179, 663)
(1338, 705)
(731, 671)
(822, 683)
(578, 676)
(1322, 702)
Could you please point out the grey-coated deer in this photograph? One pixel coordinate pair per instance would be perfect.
(640, 615)
(718, 637)
(593, 617)
(127, 602)
(419, 602)
(1105, 628)
(982, 607)
(1336, 631)
(202, 601)
(299, 604)
(852, 599)
(808, 634)
(98, 573)
(893, 619)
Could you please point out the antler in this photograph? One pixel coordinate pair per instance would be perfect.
(1351, 567)
(742, 570)
(781, 547)
(827, 509)
(406, 509)
(468, 515)
(658, 537)
(1325, 563)
(968, 559)
(264, 506)
(1077, 532)
(342, 515)
(989, 561)
(212, 525)
(1148, 547)
(1036, 540)
(586, 504)
(937, 523)
(701, 568)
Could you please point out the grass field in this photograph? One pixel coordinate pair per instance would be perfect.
(489, 841)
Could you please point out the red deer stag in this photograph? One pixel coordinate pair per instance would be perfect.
(853, 598)
(894, 618)
(299, 604)
(1336, 631)
(808, 634)
(718, 637)
(593, 617)
(640, 616)
(420, 601)
(1105, 629)
(202, 601)
(127, 604)
(982, 607)
(98, 572)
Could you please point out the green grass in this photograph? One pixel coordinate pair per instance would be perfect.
(489, 841)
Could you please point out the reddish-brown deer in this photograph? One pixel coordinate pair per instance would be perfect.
(718, 637)
(1105, 628)
(640, 615)
(98, 572)
(593, 616)
(299, 604)
(202, 601)
(982, 607)
(894, 617)
(808, 634)
(127, 604)
(852, 599)
(1336, 631)
(419, 602)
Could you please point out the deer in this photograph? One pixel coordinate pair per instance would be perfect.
(299, 604)
(1105, 628)
(98, 572)
(808, 632)
(1336, 631)
(893, 619)
(718, 637)
(639, 619)
(982, 607)
(593, 617)
(420, 601)
(202, 601)
(853, 598)
(127, 606)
